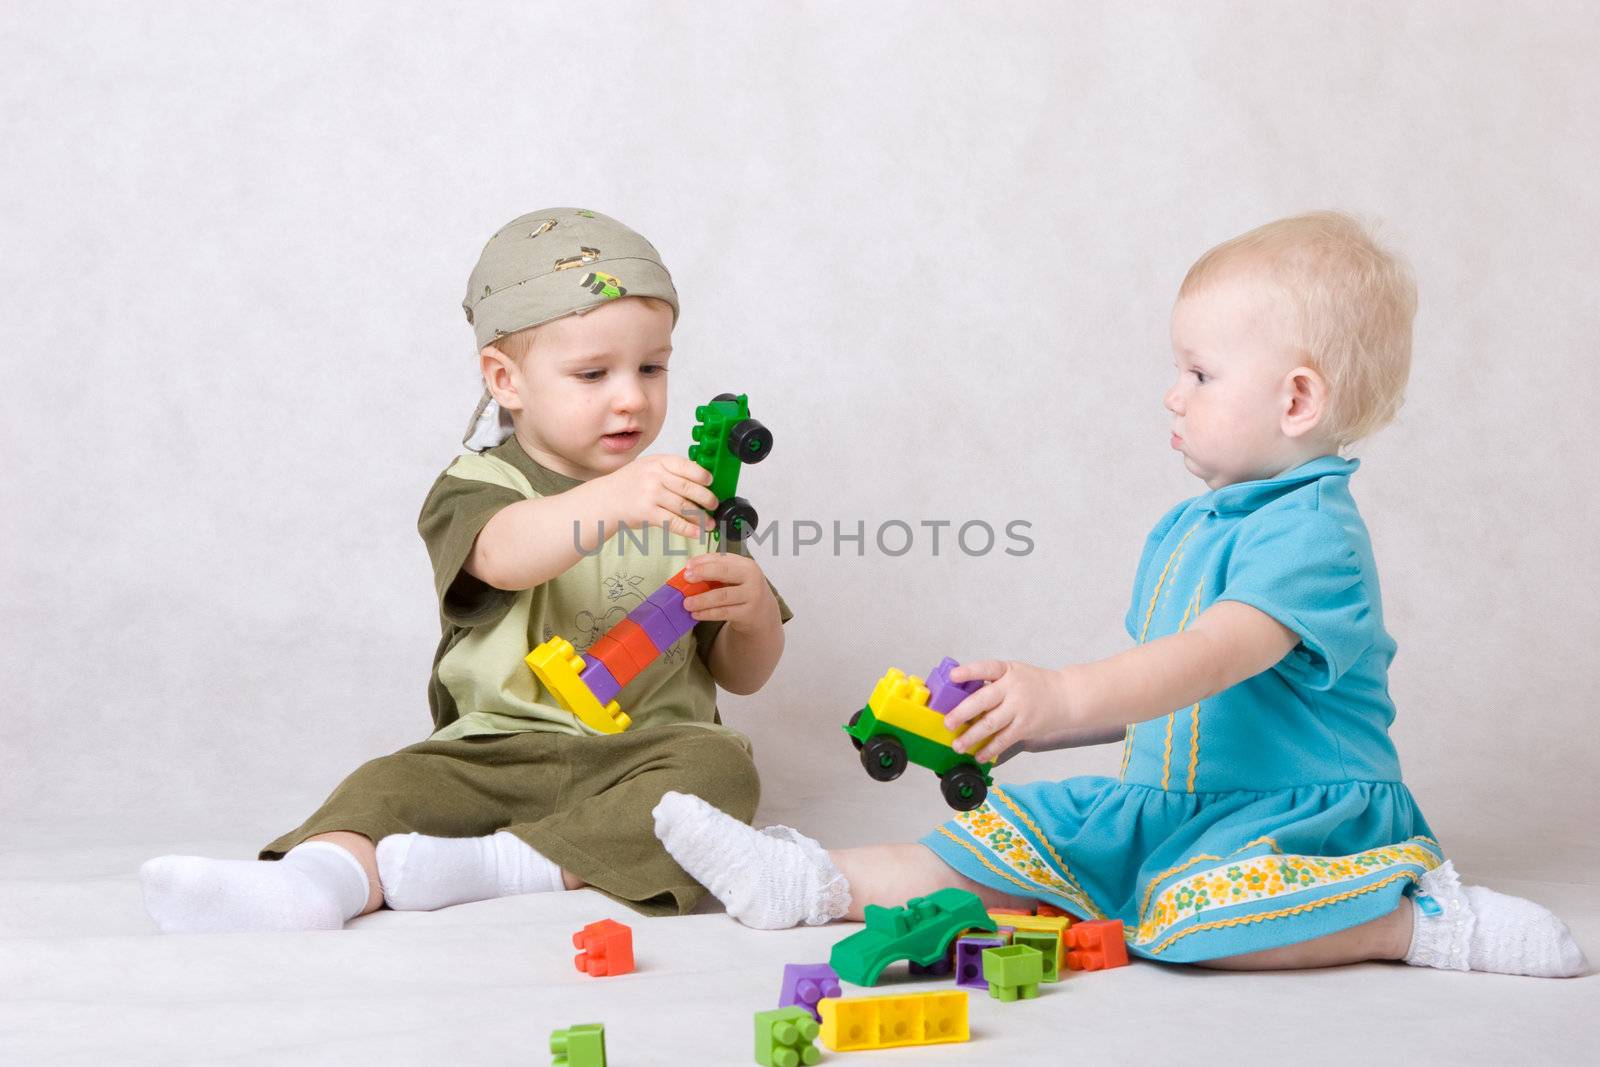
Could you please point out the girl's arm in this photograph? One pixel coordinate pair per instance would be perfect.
(1042, 709)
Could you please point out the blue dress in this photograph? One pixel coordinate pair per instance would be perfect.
(1269, 814)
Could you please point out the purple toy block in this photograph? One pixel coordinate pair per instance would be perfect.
(943, 694)
(936, 969)
(656, 625)
(669, 601)
(601, 682)
(806, 983)
(969, 960)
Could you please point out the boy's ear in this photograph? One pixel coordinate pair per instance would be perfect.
(497, 371)
(1305, 394)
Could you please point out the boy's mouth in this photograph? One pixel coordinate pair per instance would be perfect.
(620, 442)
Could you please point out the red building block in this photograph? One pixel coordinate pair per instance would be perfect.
(618, 660)
(631, 636)
(607, 948)
(1094, 946)
(688, 588)
(1052, 911)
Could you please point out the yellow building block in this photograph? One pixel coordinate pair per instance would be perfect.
(557, 666)
(901, 700)
(850, 1024)
(1051, 924)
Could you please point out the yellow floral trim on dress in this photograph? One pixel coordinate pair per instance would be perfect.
(1027, 868)
(1267, 878)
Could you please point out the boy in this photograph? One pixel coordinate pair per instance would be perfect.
(573, 316)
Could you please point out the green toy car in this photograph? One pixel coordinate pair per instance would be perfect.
(726, 437)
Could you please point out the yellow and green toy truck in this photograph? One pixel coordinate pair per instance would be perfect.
(898, 727)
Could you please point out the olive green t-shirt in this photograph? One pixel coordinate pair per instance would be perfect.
(480, 683)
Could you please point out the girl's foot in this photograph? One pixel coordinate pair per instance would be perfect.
(1462, 928)
(769, 879)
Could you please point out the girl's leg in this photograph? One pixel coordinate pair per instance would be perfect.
(1384, 938)
(890, 875)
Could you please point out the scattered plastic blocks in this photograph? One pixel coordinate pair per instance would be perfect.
(850, 1024)
(583, 1045)
(943, 694)
(784, 1038)
(1013, 971)
(606, 948)
(940, 968)
(806, 983)
(1097, 945)
(1050, 911)
(969, 960)
(557, 667)
(1048, 946)
(921, 931)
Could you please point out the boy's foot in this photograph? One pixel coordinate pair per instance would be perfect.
(422, 873)
(1461, 928)
(769, 879)
(316, 886)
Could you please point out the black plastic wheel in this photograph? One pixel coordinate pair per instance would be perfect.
(884, 758)
(724, 396)
(750, 441)
(963, 788)
(856, 741)
(735, 517)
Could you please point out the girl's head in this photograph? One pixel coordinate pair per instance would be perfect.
(1291, 341)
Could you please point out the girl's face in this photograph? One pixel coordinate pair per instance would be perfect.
(1234, 385)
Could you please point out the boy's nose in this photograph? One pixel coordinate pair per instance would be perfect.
(629, 397)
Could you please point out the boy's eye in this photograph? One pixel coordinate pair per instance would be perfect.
(650, 370)
(591, 375)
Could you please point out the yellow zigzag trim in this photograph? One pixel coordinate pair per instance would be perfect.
(1061, 864)
(1296, 910)
(1150, 609)
(1166, 756)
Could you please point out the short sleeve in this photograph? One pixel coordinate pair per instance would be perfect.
(1299, 567)
(454, 513)
(1134, 622)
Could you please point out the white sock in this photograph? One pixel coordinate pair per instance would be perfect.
(316, 886)
(421, 873)
(768, 879)
(1460, 928)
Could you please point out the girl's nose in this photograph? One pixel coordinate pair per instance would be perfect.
(1173, 401)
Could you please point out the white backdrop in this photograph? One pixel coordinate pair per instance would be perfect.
(937, 244)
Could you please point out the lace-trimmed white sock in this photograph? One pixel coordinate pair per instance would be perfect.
(768, 879)
(1460, 928)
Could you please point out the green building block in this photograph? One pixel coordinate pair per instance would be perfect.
(921, 931)
(1049, 946)
(784, 1038)
(583, 1045)
(726, 438)
(1013, 971)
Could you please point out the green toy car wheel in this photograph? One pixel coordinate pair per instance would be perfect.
(963, 788)
(884, 758)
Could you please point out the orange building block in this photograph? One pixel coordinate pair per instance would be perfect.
(1050, 911)
(632, 637)
(1094, 946)
(618, 660)
(607, 948)
(688, 588)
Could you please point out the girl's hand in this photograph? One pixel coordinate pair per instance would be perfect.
(1022, 705)
(658, 489)
(744, 600)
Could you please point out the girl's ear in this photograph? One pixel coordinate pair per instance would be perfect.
(1305, 402)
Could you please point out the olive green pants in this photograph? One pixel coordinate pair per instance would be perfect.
(582, 802)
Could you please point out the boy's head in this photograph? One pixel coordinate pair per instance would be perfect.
(573, 315)
(1291, 341)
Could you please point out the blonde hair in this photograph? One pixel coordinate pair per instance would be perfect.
(1351, 304)
(516, 345)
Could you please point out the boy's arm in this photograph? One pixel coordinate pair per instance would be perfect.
(1043, 709)
(747, 648)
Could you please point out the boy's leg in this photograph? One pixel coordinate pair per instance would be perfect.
(602, 835)
(366, 853)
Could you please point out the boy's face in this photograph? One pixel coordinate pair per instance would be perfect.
(1234, 385)
(592, 393)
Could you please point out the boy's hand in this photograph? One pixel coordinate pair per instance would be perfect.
(1022, 705)
(662, 488)
(744, 600)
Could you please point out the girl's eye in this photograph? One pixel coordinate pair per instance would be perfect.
(591, 375)
(1199, 376)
